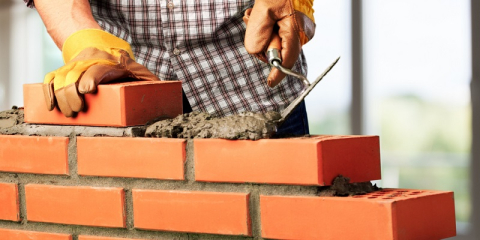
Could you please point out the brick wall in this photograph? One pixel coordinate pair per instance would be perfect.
(91, 183)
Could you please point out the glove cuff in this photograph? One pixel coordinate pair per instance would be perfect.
(305, 7)
(95, 38)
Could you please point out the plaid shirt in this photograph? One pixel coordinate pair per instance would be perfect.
(200, 43)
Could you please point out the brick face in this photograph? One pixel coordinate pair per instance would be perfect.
(10, 234)
(304, 161)
(118, 104)
(139, 157)
(185, 211)
(390, 214)
(9, 207)
(90, 206)
(31, 154)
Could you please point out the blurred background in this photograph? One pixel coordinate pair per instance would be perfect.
(405, 74)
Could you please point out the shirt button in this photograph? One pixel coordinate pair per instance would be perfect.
(176, 51)
(170, 5)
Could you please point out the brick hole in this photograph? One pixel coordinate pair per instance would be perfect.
(372, 197)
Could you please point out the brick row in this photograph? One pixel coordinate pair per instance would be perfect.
(116, 105)
(382, 215)
(298, 161)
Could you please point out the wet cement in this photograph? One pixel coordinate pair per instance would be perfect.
(11, 117)
(342, 187)
(243, 126)
(12, 123)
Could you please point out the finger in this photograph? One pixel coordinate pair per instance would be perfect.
(290, 42)
(98, 74)
(275, 77)
(48, 91)
(259, 30)
(73, 98)
(62, 102)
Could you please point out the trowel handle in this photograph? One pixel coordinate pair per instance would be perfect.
(273, 50)
(275, 59)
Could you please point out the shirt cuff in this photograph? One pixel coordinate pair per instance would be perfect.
(29, 3)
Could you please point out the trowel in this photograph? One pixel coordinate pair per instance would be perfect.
(275, 60)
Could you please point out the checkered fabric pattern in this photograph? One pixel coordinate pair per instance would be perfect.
(200, 43)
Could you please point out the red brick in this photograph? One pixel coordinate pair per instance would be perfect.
(90, 206)
(118, 104)
(9, 208)
(103, 238)
(10, 234)
(390, 214)
(31, 154)
(131, 157)
(304, 161)
(199, 212)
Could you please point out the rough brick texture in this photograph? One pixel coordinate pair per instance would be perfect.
(9, 205)
(305, 161)
(389, 214)
(101, 207)
(201, 212)
(139, 157)
(118, 104)
(10, 234)
(31, 154)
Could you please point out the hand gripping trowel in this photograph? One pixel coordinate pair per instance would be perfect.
(274, 59)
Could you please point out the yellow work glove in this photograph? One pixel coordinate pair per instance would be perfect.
(91, 57)
(296, 26)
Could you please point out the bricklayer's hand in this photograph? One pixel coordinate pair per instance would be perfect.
(294, 19)
(91, 57)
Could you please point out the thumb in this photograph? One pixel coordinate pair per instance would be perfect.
(275, 77)
(291, 45)
(98, 74)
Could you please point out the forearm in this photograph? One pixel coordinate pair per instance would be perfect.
(64, 17)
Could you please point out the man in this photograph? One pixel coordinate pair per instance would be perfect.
(202, 43)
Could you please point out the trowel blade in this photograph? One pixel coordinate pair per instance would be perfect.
(287, 111)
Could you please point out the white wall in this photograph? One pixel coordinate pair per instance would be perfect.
(21, 44)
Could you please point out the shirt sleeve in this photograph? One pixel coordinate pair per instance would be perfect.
(29, 3)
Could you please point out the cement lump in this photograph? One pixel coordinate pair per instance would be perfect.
(341, 187)
(243, 126)
(11, 117)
